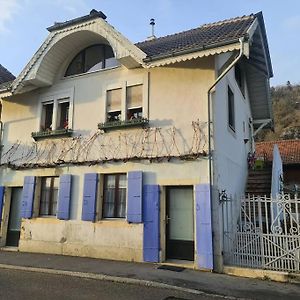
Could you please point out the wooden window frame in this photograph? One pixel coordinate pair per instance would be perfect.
(50, 212)
(116, 196)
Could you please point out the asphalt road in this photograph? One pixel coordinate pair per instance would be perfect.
(33, 285)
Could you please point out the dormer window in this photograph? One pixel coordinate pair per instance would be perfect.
(91, 59)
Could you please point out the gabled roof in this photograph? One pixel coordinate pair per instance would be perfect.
(209, 39)
(205, 36)
(214, 36)
(289, 150)
(5, 75)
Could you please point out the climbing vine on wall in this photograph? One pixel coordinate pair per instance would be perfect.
(154, 144)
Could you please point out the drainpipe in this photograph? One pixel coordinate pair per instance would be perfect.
(220, 77)
(1, 135)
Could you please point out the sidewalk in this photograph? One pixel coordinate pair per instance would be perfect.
(142, 273)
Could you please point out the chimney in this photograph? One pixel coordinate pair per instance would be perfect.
(152, 37)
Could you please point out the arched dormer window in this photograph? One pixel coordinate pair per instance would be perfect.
(93, 58)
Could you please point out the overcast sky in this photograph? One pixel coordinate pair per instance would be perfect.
(23, 24)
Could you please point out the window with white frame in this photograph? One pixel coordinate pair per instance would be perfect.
(47, 116)
(56, 114)
(49, 196)
(114, 99)
(63, 110)
(125, 106)
(114, 196)
(134, 102)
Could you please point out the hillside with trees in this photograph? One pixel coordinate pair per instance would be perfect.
(286, 111)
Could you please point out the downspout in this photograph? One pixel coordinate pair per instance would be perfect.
(1, 136)
(220, 77)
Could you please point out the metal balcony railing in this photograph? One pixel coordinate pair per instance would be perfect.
(139, 122)
(51, 133)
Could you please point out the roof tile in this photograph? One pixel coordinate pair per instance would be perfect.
(5, 75)
(289, 150)
(205, 36)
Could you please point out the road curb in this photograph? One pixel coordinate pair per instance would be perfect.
(117, 279)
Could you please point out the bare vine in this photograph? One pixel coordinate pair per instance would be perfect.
(154, 144)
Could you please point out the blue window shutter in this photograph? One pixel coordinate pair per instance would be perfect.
(151, 211)
(64, 199)
(204, 227)
(134, 201)
(89, 197)
(2, 189)
(27, 197)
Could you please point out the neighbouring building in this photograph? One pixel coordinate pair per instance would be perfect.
(119, 150)
(6, 79)
(290, 155)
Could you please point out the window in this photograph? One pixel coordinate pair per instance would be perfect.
(92, 58)
(231, 118)
(49, 195)
(55, 119)
(239, 77)
(124, 106)
(114, 196)
(114, 105)
(134, 101)
(63, 115)
(56, 115)
(47, 116)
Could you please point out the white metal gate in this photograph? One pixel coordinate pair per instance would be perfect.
(262, 232)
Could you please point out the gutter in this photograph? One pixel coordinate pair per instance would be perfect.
(220, 77)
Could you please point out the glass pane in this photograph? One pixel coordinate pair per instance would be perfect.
(122, 181)
(15, 209)
(181, 214)
(231, 108)
(109, 203)
(47, 113)
(121, 210)
(110, 60)
(94, 58)
(114, 100)
(134, 96)
(77, 65)
(110, 181)
(108, 52)
(55, 185)
(63, 115)
(134, 113)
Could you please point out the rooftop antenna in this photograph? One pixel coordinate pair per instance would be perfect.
(152, 23)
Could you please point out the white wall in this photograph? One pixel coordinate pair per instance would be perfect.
(230, 168)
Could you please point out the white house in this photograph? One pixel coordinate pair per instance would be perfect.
(119, 150)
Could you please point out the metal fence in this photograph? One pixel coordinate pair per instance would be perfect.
(262, 232)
